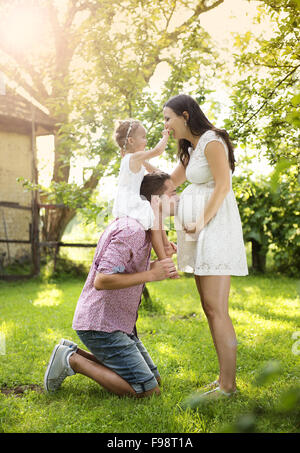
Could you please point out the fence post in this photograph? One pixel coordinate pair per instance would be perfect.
(35, 244)
(35, 241)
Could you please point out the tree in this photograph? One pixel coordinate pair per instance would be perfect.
(265, 112)
(264, 116)
(269, 209)
(255, 202)
(94, 65)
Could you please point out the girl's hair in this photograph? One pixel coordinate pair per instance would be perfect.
(198, 124)
(124, 130)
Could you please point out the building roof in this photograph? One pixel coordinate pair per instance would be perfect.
(16, 115)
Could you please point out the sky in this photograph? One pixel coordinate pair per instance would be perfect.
(233, 16)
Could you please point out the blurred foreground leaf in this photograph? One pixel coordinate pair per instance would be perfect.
(269, 372)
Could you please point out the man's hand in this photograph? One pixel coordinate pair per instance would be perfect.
(163, 269)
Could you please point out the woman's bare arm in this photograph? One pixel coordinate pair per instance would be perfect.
(178, 176)
(219, 167)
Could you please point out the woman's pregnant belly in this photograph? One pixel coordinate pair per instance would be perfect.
(192, 203)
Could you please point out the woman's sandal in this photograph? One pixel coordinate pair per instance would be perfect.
(215, 394)
(212, 385)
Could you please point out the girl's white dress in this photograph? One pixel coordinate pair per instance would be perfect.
(219, 248)
(128, 202)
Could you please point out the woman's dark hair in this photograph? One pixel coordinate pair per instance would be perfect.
(153, 184)
(198, 124)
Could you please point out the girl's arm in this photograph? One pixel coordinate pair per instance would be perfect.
(160, 248)
(138, 158)
(157, 229)
(158, 244)
(150, 168)
(164, 237)
(159, 238)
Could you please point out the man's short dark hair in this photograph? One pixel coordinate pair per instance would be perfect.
(153, 184)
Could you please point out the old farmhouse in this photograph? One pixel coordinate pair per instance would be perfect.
(20, 123)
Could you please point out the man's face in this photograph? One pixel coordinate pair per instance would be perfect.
(169, 199)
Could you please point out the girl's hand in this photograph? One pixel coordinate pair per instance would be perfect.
(174, 247)
(170, 249)
(166, 133)
(163, 141)
(161, 145)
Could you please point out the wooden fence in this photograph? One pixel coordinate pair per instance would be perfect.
(34, 239)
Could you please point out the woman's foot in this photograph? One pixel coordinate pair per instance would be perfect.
(216, 393)
(198, 399)
(212, 385)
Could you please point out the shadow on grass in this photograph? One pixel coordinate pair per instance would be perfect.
(37, 314)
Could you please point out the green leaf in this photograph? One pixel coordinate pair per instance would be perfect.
(270, 372)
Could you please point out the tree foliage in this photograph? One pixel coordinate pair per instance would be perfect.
(92, 65)
(270, 209)
(265, 110)
(265, 117)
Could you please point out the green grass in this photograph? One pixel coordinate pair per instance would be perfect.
(35, 314)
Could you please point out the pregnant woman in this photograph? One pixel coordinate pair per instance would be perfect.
(209, 231)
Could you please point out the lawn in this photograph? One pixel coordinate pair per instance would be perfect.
(36, 314)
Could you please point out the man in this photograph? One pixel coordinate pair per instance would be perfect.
(106, 311)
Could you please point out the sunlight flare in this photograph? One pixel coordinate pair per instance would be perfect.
(49, 297)
(21, 28)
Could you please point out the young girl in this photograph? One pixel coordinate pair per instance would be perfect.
(130, 135)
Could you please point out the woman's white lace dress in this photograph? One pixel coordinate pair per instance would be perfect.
(128, 202)
(219, 248)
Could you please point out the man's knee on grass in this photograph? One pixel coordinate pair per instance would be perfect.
(155, 390)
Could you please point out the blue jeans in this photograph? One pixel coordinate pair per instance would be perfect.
(125, 354)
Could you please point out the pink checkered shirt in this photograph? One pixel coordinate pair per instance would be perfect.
(123, 247)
